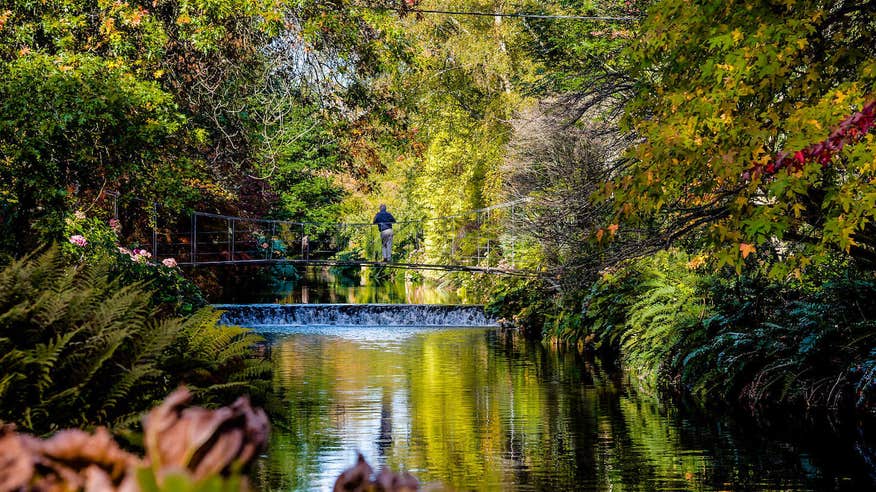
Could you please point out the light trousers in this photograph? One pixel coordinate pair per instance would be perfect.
(386, 243)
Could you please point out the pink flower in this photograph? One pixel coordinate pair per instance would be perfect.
(79, 214)
(78, 240)
(115, 225)
(143, 253)
(125, 251)
(169, 262)
(140, 255)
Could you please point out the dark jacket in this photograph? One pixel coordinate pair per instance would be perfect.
(384, 220)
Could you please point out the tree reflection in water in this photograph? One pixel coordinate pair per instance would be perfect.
(473, 409)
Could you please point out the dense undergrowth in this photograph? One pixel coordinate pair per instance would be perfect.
(83, 347)
(720, 336)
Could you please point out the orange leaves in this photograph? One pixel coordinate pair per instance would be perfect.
(696, 262)
(4, 16)
(746, 249)
(612, 230)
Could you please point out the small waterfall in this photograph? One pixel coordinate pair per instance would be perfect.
(257, 315)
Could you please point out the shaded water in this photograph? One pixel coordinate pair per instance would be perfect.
(476, 410)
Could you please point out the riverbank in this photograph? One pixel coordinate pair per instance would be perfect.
(742, 340)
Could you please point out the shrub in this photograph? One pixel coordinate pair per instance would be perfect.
(809, 341)
(526, 302)
(80, 348)
(723, 336)
(93, 241)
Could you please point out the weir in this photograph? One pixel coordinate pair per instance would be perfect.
(264, 315)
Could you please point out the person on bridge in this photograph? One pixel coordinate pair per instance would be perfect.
(384, 221)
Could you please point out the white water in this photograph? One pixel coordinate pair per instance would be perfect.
(265, 316)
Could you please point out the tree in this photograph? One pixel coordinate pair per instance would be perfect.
(559, 164)
(174, 101)
(79, 124)
(746, 111)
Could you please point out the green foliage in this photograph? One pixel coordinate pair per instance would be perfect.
(216, 361)
(175, 481)
(642, 312)
(299, 159)
(724, 337)
(80, 349)
(803, 342)
(72, 123)
(526, 303)
(174, 101)
(575, 55)
(171, 292)
(724, 91)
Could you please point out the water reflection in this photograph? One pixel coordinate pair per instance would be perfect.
(474, 410)
(316, 285)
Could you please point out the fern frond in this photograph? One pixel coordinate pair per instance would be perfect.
(78, 348)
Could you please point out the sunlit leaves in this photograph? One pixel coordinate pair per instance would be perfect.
(755, 120)
(80, 122)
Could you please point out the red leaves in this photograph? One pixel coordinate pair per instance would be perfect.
(848, 131)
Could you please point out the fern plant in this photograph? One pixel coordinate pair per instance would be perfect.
(662, 318)
(807, 343)
(217, 362)
(79, 349)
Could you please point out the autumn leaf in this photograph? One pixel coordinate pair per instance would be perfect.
(746, 249)
(736, 35)
(696, 262)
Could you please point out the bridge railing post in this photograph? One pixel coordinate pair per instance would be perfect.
(194, 240)
(230, 246)
(305, 243)
(271, 242)
(513, 239)
(155, 229)
(478, 225)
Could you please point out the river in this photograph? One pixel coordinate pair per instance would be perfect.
(471, 408)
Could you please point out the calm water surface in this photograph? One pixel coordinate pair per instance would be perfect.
(475, 410)
(317, 285)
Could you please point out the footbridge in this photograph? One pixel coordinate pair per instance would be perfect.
(481, 240)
